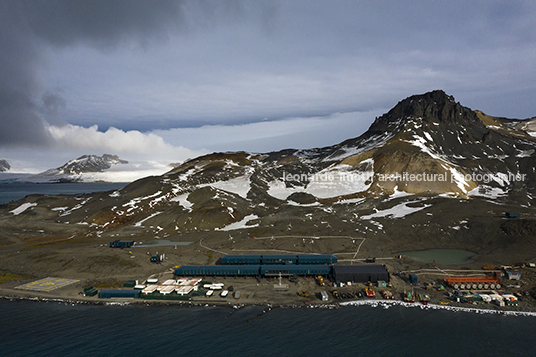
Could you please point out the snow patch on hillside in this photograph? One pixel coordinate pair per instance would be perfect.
(397, 211)
(398, 194)
(421, 143)
(458, 178)
(337, 180)
(23, 207)
(373, 142)
(133, 204)
(183, 201)
(487, 192)
(340, 180)
(78, 206)
(139, 224)
(241, 224)
(238, 185)
(279, 189)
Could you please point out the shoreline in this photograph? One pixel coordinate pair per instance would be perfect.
(383, 303)
(304, 292)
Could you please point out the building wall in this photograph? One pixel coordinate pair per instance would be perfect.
(360, 273)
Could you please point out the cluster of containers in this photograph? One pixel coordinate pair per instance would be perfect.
(472, 282)
(181, 287)
(171, 289)
(486, 298)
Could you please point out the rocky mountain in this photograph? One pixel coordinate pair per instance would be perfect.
(427, 144)
(78, 169)
(90, 163)
(4, 165)
(428, 173)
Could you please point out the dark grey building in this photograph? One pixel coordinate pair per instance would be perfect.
(360, 273)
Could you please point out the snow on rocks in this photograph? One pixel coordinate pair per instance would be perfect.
(487, 192)
(398, 211)
(372, 142)
(23, 207)
(183, 201)
(238, 185)
(139, 224)
(336, 180)
(78, 206)
(133, 204)
(340, 180)
(279, 189)
(240, 224)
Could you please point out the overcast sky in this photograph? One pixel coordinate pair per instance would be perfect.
(168, 80)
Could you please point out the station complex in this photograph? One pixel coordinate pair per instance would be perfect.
(286, 265)
(187, 278)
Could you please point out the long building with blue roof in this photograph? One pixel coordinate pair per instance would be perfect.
(276, 259)
(253, 270)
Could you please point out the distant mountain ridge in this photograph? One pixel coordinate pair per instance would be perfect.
(91, 163)
(80, 169)
(4, 165)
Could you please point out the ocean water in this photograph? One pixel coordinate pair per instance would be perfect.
(29, 328)
(16, 191)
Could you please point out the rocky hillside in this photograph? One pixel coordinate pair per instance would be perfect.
(427, 144)
(430, 172)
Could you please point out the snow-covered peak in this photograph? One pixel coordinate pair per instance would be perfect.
(4, 165)
(91, 163)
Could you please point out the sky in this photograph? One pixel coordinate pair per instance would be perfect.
(163, 81)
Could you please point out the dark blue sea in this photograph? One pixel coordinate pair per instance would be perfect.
(16, 191)
(29, 328)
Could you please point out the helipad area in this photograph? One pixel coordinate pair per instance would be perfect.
(47, 284)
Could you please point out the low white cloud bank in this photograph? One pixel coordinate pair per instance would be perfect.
(116, 141)
(147, 153)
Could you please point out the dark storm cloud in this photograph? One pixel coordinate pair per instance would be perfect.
(19, 120)
(120, 63)
(27, 27)
(100, 22)
(52, 104)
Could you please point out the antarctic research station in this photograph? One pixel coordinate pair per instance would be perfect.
(191, 281)
(309, 278)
